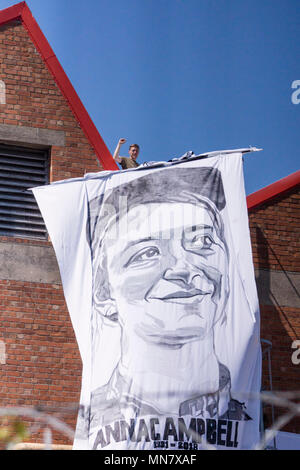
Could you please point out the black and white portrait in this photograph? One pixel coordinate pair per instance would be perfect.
(160, 265)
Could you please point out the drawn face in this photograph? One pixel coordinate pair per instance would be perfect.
(168, 275)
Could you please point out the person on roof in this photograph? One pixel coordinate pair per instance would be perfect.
(127, 162)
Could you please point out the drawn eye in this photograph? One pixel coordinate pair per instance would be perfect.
(202, 242)
(146, 254)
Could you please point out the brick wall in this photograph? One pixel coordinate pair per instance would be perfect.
(43, 365)
(34, 100)
(275, 233)
(275, 240)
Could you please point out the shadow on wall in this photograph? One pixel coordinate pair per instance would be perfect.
(2, 92)
(276, 292)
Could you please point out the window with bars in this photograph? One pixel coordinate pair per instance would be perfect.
(22, 168)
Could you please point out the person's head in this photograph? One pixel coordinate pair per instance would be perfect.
(134, 150)
(160, 261)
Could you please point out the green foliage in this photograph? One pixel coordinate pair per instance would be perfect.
(12, 431)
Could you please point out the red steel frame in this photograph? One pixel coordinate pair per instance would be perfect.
(22, 12)
(279, 187)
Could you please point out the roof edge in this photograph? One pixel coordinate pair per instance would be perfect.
(11, 13)
(265, 194)
(21, 11)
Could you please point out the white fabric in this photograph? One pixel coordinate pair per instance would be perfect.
(157, 272)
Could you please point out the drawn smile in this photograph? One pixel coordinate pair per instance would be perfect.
(179, 291)
(182, 296)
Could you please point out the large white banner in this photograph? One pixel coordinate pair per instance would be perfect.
(157, 272)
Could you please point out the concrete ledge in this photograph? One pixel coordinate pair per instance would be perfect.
(36, 446)
(29, 263)
(280, 288)
(19, 135)
(34, 263)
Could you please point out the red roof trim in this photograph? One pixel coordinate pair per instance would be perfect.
(22, 12)
(11, 13)
(273, 190)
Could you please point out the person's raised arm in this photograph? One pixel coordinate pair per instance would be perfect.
(116, 156)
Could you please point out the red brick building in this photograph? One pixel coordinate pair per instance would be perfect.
(274, 219)
(44, 132)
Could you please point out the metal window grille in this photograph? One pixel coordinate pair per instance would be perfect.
(20, 169)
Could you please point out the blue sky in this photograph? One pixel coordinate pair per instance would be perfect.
(178, 75)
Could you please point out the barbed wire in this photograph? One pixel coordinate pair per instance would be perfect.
(45, 417)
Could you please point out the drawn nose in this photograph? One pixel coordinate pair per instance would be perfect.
(179, 274)
(188, 278)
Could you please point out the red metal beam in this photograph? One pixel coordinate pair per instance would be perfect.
(21, 11)
(279, 187)
(11, 13)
